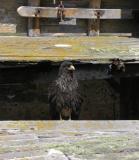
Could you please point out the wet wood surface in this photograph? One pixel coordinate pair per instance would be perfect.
(83, 139)
(96, 49)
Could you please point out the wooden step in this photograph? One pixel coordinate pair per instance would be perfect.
(72, 126)
(80, 13)
(32, 140)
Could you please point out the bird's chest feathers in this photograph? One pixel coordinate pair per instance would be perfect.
(67, 85)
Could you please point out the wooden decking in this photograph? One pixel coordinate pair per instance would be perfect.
(94, 49)
(100, 140)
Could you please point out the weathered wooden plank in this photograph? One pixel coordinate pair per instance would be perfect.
(80, 13)
(70, 136)
(34, 24)
(94, 25)
(100, 50)
(72, 126)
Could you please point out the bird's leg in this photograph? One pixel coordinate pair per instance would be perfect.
(70, 114)
(61, 117)
(70, 117)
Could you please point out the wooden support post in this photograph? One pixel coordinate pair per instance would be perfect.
(34, 23)
(94, 24)
(54, 1)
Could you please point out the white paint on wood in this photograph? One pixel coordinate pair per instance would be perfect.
(80, 13)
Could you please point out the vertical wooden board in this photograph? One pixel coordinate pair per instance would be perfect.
(119, 26)
(94, 25)
(128, 4)
(33, 2)
(34, 23)
(95, 3)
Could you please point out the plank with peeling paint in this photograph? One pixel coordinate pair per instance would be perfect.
(80, 13)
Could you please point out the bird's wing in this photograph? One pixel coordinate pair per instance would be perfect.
(52, 90)
(52, 99)
(55, 96)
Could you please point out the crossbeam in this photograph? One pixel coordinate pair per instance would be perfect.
(79, 13)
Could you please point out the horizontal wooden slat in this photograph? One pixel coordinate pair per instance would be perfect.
(80, 13)
(102, 138)
(99, 49)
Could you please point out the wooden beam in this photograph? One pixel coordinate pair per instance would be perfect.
(94, 24)
(34, 24)
(79, 13)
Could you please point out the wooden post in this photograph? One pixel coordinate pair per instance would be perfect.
(94, 24)
(54, 1)
(34, 23)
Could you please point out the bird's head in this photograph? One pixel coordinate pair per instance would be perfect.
(117, 66)
(66, 68)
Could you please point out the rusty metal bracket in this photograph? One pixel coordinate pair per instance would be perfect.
(37, 12)
(99, 13)
(60, 12)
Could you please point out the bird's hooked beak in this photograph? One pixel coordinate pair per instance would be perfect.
(71, 68)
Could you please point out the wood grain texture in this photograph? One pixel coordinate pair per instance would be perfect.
(80, 13)
(84, 139)
(97, 49)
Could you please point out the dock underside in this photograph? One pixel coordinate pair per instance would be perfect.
(29, 65)
(85, 49)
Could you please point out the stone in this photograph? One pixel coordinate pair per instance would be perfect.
(56, 155)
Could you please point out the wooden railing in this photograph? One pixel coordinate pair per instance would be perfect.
(94, 14)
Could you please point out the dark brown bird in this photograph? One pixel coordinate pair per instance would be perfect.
(117, 66)
(63, 95)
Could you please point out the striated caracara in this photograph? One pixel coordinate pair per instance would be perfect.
(63, 94)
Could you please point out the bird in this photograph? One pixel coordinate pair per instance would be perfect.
(64, 97)
(117, 66)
